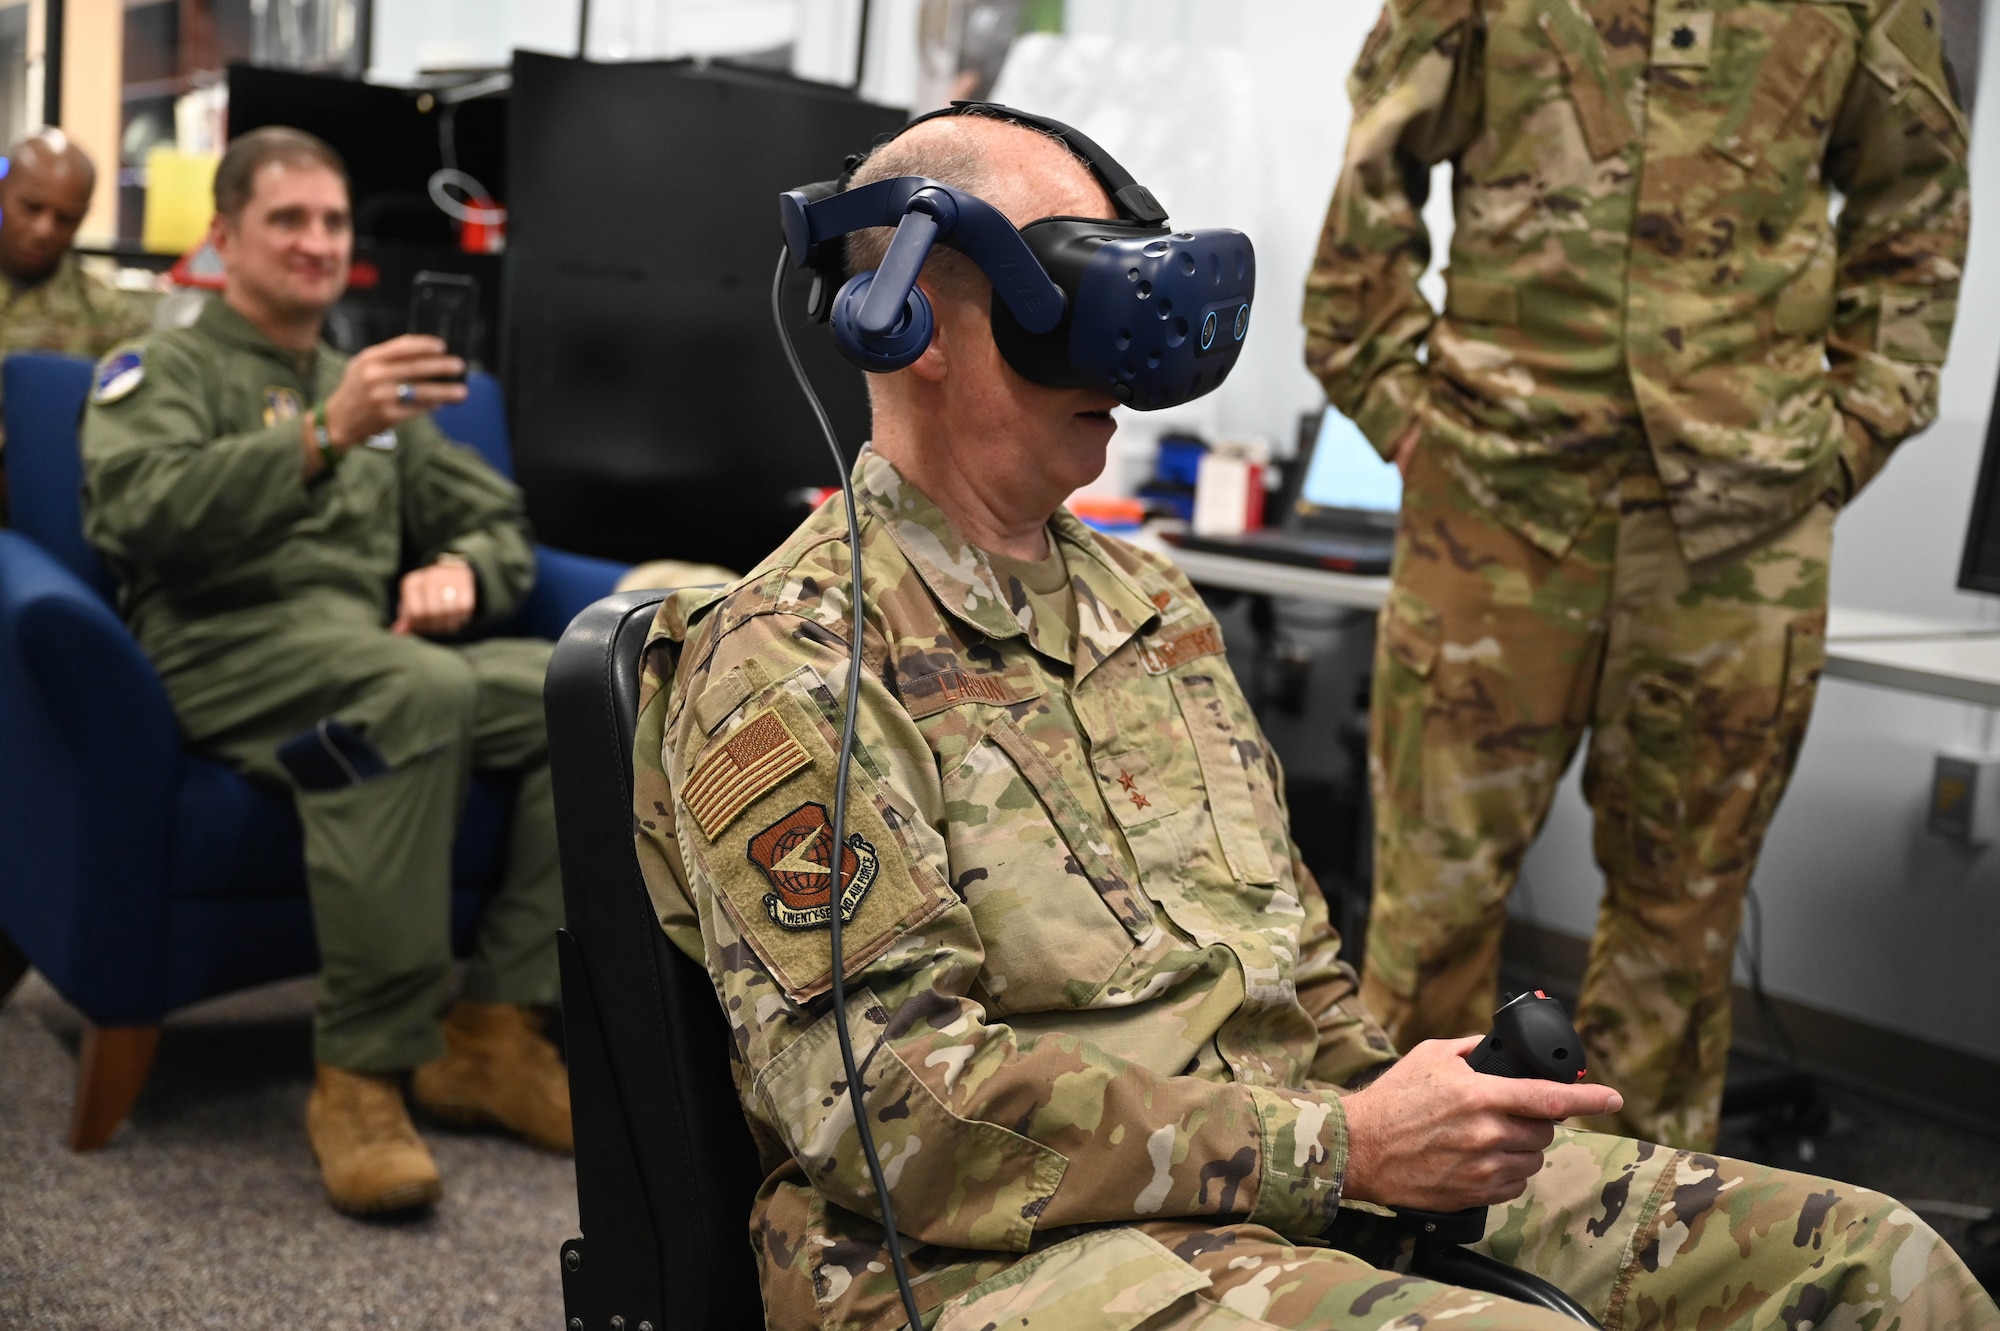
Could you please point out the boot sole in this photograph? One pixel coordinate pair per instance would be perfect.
(474, 1118)
(409, 1197)
(404, 1197)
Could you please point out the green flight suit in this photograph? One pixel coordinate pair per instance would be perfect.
(263, 599)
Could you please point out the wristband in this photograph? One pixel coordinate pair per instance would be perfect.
(322, 438)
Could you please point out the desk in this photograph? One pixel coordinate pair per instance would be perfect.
(1958, 660)
(1361, 591)
(1941, 658)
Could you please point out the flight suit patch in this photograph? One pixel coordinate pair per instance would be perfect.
(118, 377)
(794, 854)
(1683, 39)
(281, 404)
(733, 775)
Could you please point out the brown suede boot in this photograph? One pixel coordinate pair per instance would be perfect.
(369, 1154)
(498, 1070)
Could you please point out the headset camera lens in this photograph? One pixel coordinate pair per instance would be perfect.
(1242, 321)
(1208, 331)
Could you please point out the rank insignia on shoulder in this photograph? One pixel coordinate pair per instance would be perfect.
(118, 376)
(281, 404)
(794, 854)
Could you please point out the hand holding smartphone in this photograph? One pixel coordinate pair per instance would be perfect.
(443, 305)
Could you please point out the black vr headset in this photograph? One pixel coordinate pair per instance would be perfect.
(1153, 317)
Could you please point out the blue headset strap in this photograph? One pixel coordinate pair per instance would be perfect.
(949, 216)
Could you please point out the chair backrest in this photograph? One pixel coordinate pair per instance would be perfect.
(42, 394)
(665, 1166)
(480, 422)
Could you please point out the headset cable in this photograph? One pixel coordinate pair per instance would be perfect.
(855, 1097)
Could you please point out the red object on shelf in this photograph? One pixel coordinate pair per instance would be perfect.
(476, 234)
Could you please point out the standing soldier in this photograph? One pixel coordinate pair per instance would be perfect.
(50, 303)
(1660, 372)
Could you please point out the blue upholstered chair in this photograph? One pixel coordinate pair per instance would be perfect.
(136, 876)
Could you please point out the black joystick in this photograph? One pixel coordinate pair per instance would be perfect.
(1532, 1039)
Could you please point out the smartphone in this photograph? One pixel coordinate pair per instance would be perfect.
(444, 305)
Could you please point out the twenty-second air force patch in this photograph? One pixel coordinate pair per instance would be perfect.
(118, 376)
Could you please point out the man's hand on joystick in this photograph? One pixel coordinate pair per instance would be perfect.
(1431, 1133)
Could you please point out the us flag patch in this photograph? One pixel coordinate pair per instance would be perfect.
(730, 777)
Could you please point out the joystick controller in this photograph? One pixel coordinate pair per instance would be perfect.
(1531, 1039)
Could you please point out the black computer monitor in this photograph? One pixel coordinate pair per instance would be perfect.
(1979, 565)
(652, 409)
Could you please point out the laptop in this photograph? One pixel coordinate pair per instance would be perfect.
(1339, 514)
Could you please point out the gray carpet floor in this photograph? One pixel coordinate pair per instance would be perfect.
(205, 1210)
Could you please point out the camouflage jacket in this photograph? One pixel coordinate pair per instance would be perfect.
(1642, 254)
(1090, 980)
(71, 311)
(195, 494)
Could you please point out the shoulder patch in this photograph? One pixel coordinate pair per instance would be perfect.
(795, 853)
(731, 777)
(118, 376)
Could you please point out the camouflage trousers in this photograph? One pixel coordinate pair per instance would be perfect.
(1695, 685)
(1641, 1235)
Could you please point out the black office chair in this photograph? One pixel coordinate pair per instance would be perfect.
(665, 1167)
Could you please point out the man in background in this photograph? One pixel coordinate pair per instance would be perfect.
(1660, 372)
(292, 537)
(50, 303)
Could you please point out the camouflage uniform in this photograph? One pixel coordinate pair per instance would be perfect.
(263, 599)
(1094, 991)
(69, 311)
(1627, 411)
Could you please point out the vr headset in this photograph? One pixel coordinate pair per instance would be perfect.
(1153, 317)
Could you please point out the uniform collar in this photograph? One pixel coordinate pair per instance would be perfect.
(1110, 607)
(220, 320)
(68, 273)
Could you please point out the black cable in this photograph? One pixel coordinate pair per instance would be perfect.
(1775, 1032)
(834, 856)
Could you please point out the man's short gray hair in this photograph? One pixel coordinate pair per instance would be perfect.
(958, 162)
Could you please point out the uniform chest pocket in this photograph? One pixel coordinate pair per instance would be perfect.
(1240, 799)
(1782, 96)
(1055, 906)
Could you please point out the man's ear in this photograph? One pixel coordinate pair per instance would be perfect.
(935, 364)
(219, 235)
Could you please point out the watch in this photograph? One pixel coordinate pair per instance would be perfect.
(323, 438)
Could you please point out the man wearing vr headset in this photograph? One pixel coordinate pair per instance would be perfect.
(1660, 372)
(1114, 1070)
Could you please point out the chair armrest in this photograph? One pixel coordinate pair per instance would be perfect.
(564, 584)
(90, 759)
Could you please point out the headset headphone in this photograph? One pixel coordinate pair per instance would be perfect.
(1154, 317)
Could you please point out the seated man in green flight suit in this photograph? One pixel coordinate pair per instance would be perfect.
(257, 493)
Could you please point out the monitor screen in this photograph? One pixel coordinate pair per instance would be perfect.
(1347, 472)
